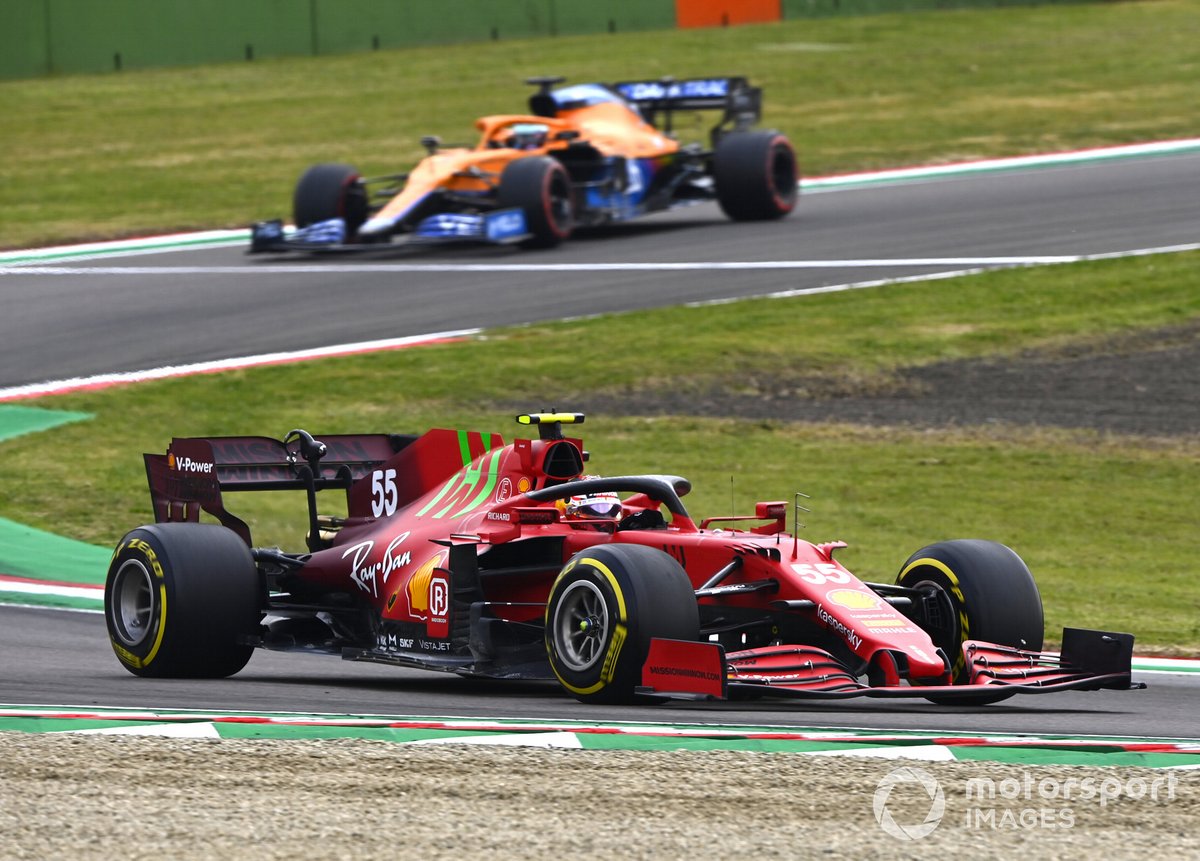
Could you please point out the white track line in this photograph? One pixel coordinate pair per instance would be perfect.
(631, 266)
(686, 266)
(100, 381)
(75, 384)
(993, 165)
(225, 238)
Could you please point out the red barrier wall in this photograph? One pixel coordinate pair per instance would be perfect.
(725, 13)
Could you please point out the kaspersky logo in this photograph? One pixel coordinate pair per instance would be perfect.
(186, 464)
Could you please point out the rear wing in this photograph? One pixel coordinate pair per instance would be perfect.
(194, 473)
(741, 103)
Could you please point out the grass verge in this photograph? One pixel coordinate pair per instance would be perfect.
(1107, 524)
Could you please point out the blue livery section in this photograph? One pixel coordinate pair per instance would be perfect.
(504, 225)
(331, 232)
(500, 226)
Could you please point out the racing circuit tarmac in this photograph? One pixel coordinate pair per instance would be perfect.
(86, 317)
(64, 658)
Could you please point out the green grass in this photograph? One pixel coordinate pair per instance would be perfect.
(1106, 523)
(118, 154)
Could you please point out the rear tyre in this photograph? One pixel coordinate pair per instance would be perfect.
(180, 601)
(986, 593)
(605, 607)
(541, 188)
(328, 191)
(755, 175)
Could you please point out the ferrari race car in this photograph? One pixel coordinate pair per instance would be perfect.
(460, 553)
(584, 155)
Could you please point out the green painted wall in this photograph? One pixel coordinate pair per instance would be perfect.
(826, 8)
(135, 34)
(23, 48)
(40, 37)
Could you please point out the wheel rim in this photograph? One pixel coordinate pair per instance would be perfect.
(132, 612)
(559, 204)
(950, 631)
(580, 625)
(783, 173)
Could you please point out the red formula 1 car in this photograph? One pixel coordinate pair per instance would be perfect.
(458, 552)
(584, 155)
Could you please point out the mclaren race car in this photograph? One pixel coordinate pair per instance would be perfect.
(584, 155)
(456, 551)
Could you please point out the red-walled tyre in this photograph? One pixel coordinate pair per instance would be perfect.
(328, 191)
(755, 175)
(540, 187)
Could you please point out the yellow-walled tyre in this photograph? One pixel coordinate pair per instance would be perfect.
(181, 601)
(604, 608)
(985, 592)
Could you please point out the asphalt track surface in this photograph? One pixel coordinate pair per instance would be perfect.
(137, 313)
(88, 318)
(61, 658)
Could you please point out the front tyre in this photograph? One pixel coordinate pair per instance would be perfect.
(983, 591)
(755, 175)
(180, 601)
(605, 607)
(541, 188)
(327, 191)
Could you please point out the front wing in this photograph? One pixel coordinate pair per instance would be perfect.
(498, 227)
(1090, 660)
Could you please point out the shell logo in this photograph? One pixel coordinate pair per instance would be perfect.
(170, 460)
(852, 599)
(418, 586)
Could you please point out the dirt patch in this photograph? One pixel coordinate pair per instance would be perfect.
(83, 797)
(1147, 383)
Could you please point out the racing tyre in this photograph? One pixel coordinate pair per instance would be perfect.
(541, 188)
(604, 608)
(180, 601)
(984, 591)
(755, 175)
(328, 191)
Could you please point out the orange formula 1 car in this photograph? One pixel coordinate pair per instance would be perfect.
(584, 155)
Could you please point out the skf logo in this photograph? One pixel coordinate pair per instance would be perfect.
(186, 464)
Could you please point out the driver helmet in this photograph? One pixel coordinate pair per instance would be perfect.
(527, 136)
(593, 506)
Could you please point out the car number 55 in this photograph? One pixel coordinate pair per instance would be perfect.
(822, 572)
(384, 496)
